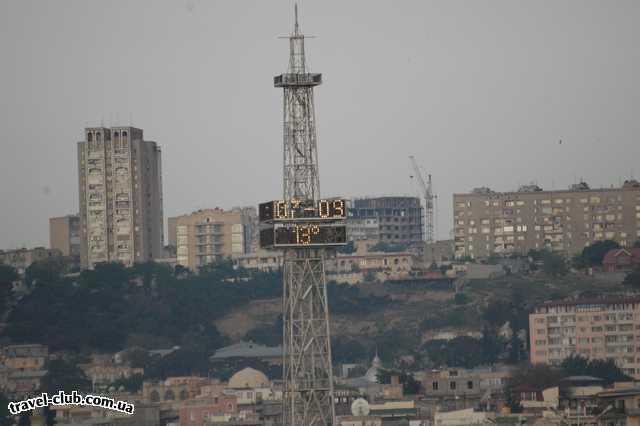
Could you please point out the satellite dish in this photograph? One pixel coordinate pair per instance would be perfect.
(360, 407)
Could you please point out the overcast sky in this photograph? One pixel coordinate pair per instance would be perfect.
(481, 92)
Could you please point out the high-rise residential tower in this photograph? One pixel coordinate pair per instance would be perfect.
(120, 181)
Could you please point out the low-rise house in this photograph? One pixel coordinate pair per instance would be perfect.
(196, 411)
(173, 389)
(621, 260)
(263, 260)
(360, 421)
(578, 394)
(24, 383)
(145, 414)
(619, 407)
(463, 417)
(25, 357)
(453, 388)
(394, 410)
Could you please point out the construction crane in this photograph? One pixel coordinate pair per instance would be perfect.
(427, 190)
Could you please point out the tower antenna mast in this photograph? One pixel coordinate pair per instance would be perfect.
(307, 229)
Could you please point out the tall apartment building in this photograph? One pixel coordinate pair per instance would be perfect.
(596, 328)
(399, 219)
(120, 181)
(205, 236)
(487, 222)
(64, 235)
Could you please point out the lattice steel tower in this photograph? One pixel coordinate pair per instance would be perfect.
(308, 229)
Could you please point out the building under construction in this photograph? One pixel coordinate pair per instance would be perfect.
(400, 219)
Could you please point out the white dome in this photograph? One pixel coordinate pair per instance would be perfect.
(248, 378)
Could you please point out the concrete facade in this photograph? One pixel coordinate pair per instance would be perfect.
(565, 221)
(592, 328)
(400, 219)
(207, 235)
(120, 185)
(64, 235)
(21, 259)
(359, 229)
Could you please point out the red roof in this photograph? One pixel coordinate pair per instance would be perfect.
(611, 256)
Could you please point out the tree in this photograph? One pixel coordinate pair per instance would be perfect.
(636, 244)
(46, 270)
(388, 247)
(553, 264)
(8, 276)
(539, 376)
(516, 350)
(269, 335)
(492, 346)
(130, 384)
(5, 416)
(633, 279)
(606, 370)
(463, 351)
(535, 255)
(348, 248)
(410, 386)
(65, 375)
(136, 357)
(511, 401)
(344, 350)
(498, 312)
(593, 254)
(369, 276)
(460, 299)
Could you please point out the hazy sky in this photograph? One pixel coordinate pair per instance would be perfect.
(479, 91)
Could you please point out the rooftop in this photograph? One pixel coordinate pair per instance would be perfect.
(534, 188)
(601, 301)
(248, 350)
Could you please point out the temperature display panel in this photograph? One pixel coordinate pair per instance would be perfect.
(303, 235)
(280, 210)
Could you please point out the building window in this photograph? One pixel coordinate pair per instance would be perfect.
(434, 385)
(452, 385)
(469, 384)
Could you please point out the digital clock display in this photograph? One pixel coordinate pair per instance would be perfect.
(280, 210)
(292, 235)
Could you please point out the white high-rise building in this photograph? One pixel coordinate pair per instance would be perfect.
(120, 182)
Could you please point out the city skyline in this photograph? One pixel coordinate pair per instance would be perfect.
(475, 104)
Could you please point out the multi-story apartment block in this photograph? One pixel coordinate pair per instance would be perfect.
(487, 222)
(120, 196)
(263, 260)
(64, 235)
(207, 235)
(400, 219)
(21, 259)
(592, 328)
